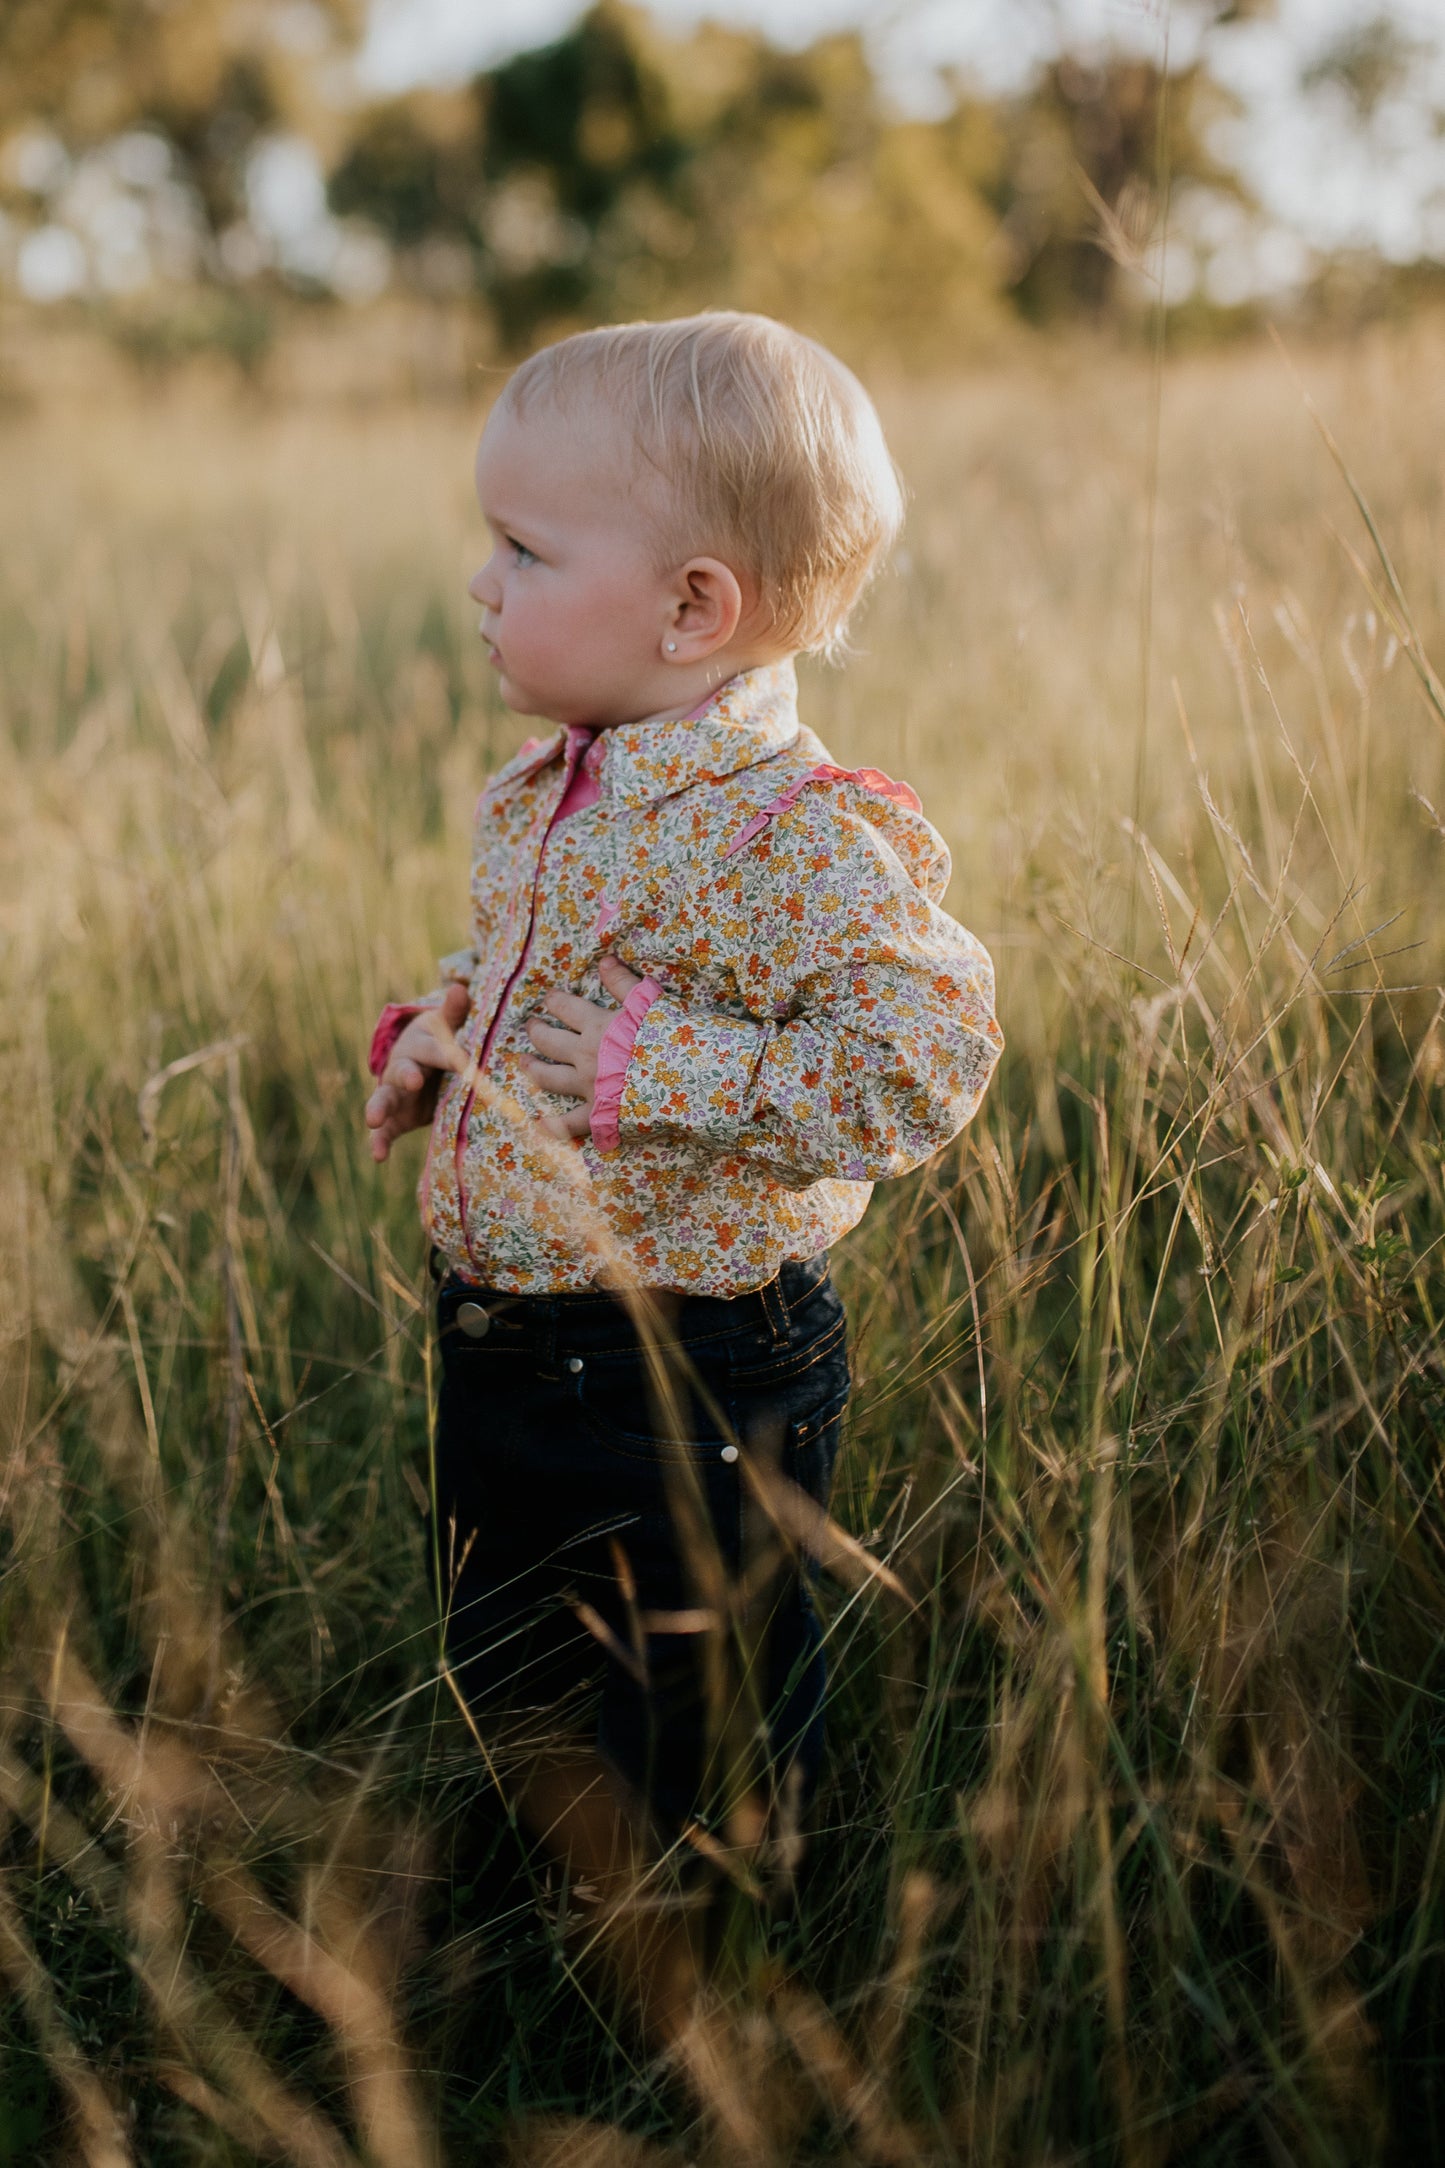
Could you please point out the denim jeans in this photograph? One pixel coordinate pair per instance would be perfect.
(608, 1551)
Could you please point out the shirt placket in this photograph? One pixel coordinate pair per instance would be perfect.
(577, 742)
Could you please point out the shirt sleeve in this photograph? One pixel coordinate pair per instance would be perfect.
(454, 969)
(869, 1033)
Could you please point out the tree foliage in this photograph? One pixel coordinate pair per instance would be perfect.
(624, 170)
(210, 76)
(1090, 155)
(1367, 63)
(621, 171)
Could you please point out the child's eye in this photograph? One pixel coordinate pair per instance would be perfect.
(520, 551)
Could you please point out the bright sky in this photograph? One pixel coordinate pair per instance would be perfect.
(1317, 172)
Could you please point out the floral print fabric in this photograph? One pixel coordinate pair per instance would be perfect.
(820, 1021)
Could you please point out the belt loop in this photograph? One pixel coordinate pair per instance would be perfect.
(775, 1310)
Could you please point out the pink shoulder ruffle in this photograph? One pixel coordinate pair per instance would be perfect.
(881, 785)
(613, 1055)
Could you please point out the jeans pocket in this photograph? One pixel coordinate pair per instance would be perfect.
(810, 1447)
(779, 1406)
(789, 1475)
(783, 1371)
(688, 1416)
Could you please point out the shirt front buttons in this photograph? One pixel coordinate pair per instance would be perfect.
(729, 1452)
(574, 1364)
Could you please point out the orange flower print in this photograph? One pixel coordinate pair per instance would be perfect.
(814, 1020)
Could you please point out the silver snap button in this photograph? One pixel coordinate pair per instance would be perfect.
(474, 1321)
(729, 1452)
(574, 1364)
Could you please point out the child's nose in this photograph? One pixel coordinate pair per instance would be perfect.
(483, 586)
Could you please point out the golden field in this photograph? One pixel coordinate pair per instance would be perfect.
(1131, 1842)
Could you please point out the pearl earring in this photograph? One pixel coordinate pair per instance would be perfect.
(672, 647)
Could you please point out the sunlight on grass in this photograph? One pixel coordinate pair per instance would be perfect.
(1130, 1845)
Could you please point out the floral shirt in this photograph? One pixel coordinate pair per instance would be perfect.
(812, 1019)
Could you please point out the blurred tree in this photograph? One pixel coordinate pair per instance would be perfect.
(210, 76)
(626, 170)
(532, 175)
(1089, 153)
(574, 134)
(1367, 63)
(810, 199)
(622, 171)
(413, 168)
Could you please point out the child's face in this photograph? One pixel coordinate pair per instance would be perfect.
(576, 612)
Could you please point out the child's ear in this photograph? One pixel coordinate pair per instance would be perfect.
(707, 608)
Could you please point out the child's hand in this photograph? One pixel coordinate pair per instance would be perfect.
(570, 1046)
(406, 1097)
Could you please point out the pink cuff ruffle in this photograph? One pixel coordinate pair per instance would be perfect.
(390, 1025)
(613, 1056)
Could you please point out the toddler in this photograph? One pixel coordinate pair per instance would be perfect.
(710, 997)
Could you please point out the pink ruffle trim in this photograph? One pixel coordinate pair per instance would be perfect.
(390, 1025)
(882, 786)
(613, 1056)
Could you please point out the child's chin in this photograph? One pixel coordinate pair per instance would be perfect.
(516, 697)
(534, 705)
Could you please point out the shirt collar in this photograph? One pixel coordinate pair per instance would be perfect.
(749, 719)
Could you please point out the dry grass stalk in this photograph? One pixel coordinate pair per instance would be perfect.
(159, 1788)
(1148, 1372)
(99, 2124)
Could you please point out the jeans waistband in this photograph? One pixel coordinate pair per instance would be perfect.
(602, 1321)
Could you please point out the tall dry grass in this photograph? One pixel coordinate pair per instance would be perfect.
(1130, 1846)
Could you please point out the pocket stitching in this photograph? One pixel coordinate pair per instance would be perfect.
(803, 1429)
(787, 1363)
(640, 1446)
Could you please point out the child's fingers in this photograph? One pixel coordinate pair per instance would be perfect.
(453, 1056)
(412, 1058)
(382, 1141)
(442, 1049)
(554, 1076)
(405, 1074)
(455, 1003)
(616, 977)
(554, 1041)
(573, 1010)
(385, 1111)
(567, 1127)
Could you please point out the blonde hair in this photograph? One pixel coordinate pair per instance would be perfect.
(770, 449)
